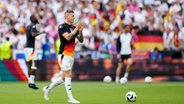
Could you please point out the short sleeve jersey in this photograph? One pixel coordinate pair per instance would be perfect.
(66, 47)
(125, 43)
(30, 39)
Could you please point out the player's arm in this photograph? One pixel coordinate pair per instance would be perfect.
(69, 36)
(34, 34)
(35, 31)
(80, 36)
(74, 33)
(118, 47)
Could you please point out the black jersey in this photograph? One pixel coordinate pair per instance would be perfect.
(66, 47)
(30, 39)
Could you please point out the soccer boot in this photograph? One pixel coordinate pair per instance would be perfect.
(73, 101)
(46, 93)
(33, 86)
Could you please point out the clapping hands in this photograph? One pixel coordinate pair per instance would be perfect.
(80, 26)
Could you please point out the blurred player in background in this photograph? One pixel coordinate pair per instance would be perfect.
(67, 33)
(32, 30)
(124, 52)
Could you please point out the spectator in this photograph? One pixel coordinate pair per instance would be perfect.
(6, 49)
(134, 32)
(103, 49)
(176, 39)
(155, 54)
(46, 47)
(176, 42)
(21, 43)
(104, 16)
(134, 7)
(112, 50)
(166, 38)
(53, 32)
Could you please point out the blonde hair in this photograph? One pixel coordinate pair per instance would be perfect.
(68, 11)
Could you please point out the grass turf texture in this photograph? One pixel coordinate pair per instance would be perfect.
(94, 93)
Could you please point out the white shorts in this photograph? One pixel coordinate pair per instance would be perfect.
(65, 62)
(29, 53)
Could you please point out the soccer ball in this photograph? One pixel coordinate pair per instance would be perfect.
(123, 80)
(107, 79)
(131, 96)
(148, 79)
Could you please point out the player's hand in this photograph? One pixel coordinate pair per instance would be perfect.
(81, 27)
(78, 25)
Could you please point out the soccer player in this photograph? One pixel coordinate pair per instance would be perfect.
(32, 31)
(67, 32)
(124, 52)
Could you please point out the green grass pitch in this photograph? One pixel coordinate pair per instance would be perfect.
(94, 93)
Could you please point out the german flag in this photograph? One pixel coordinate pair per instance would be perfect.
(149, 40)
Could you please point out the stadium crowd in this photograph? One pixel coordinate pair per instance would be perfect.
(102, 19)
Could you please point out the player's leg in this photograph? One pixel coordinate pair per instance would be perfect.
(28, 63)
(57, 75)
(128, 67)
(56, 81)
(118, 72)
(29, 53)
(48, 88)
(33, 65)
(67, 71)
(33, 72)
(68, 86)
(53, 84)
(60, 79)
(32, 79)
